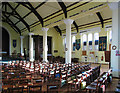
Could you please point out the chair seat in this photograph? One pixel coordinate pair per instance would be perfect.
(117, 90)
(118, 82)
(52, 87)
(39, 80)
(91, 87)
(94, 83)
(63, 82)
(118, 86)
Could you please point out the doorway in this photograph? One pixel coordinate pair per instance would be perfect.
(5, 42)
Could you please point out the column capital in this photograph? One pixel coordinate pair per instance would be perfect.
(68, 21)
(21, 37)
(45, 29)
(113, 5)
(31, 34)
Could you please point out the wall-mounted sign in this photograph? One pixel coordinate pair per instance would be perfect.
(102, 43)
(117, 53)
(14, 43)
(78, 41)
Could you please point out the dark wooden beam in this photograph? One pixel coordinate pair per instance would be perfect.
(12, 24)
(79, 5)
(56, 13)
(3, 4)
(22, 3)
(36, 13)
(5, 7)
(58, 30)
(101, 19)
(41, 4)
(76, 26)
(17, 6)
(24, 22)
(85, 25)
(62, 5)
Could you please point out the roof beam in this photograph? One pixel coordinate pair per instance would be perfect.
(62, 5)
(24, 22)
(17, 6)
(13, 27)
(101, 19)
(3, 4)
(30, 8)
(12, 24)
(41, 4)
(24, 4)
(58, 30)
(36, 13)
(76, 26)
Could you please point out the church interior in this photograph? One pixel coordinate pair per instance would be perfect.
(60, 46)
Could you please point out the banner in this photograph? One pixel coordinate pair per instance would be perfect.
(102, 43)
(78, 44)
(14, 43)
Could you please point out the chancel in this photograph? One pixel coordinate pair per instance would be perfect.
(60, 46)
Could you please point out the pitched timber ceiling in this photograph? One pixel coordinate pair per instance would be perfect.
(22, 16)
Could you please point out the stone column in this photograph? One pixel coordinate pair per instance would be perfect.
(21, 49)
(68, 23)
(31, 47)
(115, 59)
(45, 44)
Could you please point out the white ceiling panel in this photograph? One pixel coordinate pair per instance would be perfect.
(22, 10)
(12, 18)
(35, 4)
(31, 19)
(48, 8)
(20, 25)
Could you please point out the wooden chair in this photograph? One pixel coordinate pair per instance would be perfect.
(16, 90)
(35, 88)
(93, 88)
(53, 87)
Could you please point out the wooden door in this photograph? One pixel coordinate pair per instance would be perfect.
(107, 56)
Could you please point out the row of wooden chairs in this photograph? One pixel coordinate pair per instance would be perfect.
(99, 84)
(57, 69)
(85, 78)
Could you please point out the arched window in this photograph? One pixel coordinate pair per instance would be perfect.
(84, 38)
(110, 36)
(90, 37)
(90, 41)
(96, 40)
(96, 36)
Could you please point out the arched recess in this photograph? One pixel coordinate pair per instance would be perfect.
(6, 35)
